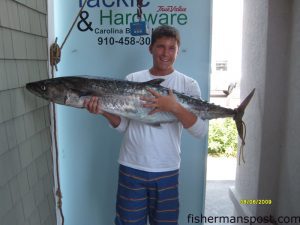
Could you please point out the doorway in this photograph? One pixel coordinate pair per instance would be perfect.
(224, 90)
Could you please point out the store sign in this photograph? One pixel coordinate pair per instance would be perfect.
(118, 23)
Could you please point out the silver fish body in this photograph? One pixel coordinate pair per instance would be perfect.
(120, 97)
(123, 98)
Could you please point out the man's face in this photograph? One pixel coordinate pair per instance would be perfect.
(164, 52)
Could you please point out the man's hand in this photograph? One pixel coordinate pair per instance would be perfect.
(161, 103)
(169, 104)
(93, 105)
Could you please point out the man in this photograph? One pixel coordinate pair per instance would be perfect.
(150, 156)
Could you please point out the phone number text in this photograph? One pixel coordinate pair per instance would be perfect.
(124, 41)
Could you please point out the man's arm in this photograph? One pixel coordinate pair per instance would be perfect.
(196, 126)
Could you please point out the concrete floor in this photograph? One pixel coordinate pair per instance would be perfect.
(221, 171)
(220, 176)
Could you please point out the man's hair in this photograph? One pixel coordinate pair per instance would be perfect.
(165, 31)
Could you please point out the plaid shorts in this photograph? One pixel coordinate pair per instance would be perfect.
(147, 195)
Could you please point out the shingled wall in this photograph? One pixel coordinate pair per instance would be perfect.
(26, 169)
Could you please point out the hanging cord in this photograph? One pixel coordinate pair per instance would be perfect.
(241, 153)
(55, 50)
(66, 38)
(58, 191)
(139, 9)
(55, 56)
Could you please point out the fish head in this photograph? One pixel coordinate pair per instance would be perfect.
(53, 90)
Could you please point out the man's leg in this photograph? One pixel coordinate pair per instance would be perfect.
(131, 207)
(163, 197)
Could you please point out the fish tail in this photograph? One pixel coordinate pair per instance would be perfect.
(240, 125)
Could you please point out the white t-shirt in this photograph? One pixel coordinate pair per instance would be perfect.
(157, 149)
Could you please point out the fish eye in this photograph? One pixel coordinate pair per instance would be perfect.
(43, 87)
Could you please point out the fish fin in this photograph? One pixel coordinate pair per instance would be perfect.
(157, 125)
(155, 81)
(82, 93)
(240, 125)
